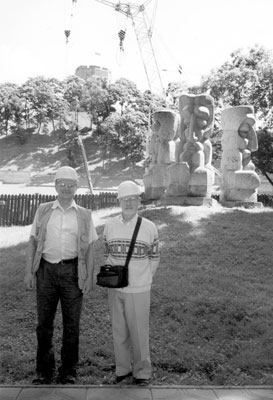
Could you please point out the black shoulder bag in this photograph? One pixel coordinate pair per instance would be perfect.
(116, 276)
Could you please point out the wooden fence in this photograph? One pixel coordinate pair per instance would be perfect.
(20, 209)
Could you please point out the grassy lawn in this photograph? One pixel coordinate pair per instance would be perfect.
(211, 311)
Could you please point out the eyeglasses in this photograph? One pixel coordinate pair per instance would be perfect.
(66, 185)
(131, 198)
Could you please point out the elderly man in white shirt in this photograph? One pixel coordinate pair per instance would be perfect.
(60, 258)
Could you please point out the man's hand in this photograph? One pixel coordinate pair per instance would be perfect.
(29, 280)
(88, 285)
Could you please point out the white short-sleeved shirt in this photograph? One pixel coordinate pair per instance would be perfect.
(61, 239)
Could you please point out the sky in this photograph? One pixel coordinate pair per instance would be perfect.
(199, 35)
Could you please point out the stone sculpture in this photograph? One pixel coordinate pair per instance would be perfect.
(164, 128)
(192, 174)
(239, 179)
(197, 116)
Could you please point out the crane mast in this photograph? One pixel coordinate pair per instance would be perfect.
(143, 32)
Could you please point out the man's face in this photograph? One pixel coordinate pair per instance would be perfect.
(66, 188)
(129, 206)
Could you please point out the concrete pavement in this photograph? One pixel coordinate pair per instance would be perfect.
(114, 392)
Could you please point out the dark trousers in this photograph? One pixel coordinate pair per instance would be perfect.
(58, 282)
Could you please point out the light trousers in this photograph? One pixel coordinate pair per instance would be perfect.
(130, 326)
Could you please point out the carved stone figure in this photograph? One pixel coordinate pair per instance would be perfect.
(192, 175)
(247, 142)
(197, 117)
(153, 147)
(164, 129)
(239, 140)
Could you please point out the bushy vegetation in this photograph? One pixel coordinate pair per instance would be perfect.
(211, 308)
(263, 157)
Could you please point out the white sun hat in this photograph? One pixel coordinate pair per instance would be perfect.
(128, 188)
(66, 173)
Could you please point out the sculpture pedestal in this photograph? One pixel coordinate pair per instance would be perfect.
(178, 176)
(201, 182)
(182, 183)
(155, 181)
(188, 201)
(244, 204)
(239, 186)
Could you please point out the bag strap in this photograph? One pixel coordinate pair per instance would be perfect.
(132, 244)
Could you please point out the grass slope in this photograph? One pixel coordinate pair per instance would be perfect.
(211, 309)
(43, 154)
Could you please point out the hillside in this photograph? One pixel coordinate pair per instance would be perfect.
(41, 155)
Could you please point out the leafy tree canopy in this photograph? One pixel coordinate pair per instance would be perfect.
(246, 78)
(263, 157)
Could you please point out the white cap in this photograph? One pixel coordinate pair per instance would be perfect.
(128, 188)
(66, 173)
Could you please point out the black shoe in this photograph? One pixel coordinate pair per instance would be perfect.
(41, 379)
(121, 378)
(142, 381)
(66, 379)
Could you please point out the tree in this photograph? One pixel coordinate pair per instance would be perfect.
(69, 143)
(10, 106)
(263, 157)
(262, 95)
(150, 102)
(124, 132)
(125, 94)
(74, 88)
(246, 78)
(96, 100)
(132, 129)
(108, 137)
(231, 83)
(175, 89)
(44, 101)
(123, 135)
(58, 106)
(124, 91)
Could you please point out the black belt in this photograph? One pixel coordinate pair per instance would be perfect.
(62, 262)
(70, 261)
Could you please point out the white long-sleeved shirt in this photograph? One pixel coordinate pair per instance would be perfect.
(145, 257)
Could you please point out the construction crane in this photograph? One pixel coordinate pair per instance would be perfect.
(143, 31)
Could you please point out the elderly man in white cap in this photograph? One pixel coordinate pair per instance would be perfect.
(130, 306)
(61, 257)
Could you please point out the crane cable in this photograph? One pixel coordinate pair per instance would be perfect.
(151, 27)
(179, 67)
(67, 31)
(122, 34)
(122, 30)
